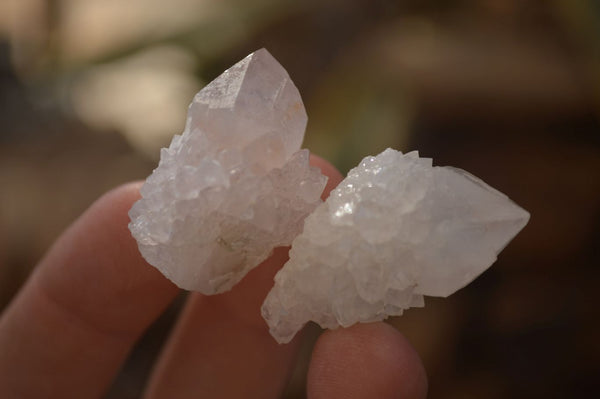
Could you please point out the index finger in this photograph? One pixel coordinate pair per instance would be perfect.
(69, 329)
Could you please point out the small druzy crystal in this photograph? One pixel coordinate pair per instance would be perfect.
(395, 229)
(234, 185)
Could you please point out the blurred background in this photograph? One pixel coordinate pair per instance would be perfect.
(506, 89)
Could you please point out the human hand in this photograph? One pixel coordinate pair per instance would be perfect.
(71, 327)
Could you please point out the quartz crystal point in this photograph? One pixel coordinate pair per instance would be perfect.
(234, 185)
(394, 230)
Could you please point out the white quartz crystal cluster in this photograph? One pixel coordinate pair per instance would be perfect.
(234, 185)
(394, 230)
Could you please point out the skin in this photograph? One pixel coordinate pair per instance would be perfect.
(72, 325)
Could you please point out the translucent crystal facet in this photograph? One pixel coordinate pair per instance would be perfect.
(234, 185)
(394, 230)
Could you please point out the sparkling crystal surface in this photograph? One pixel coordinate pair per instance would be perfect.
(394, 230)
(234, 184)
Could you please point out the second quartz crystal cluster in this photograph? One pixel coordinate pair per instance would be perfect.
(234, 185)
(395, 229)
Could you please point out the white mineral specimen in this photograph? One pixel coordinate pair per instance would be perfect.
(234, 185)
(394, 230)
